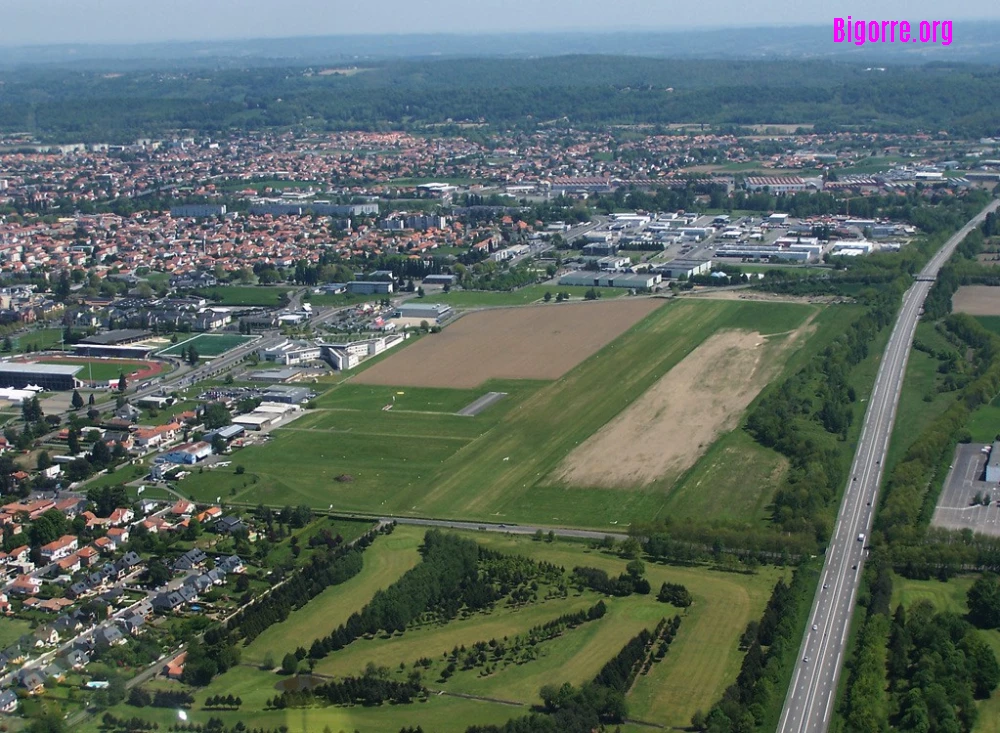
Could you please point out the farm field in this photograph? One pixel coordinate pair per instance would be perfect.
(414, 460)
(530, 442)
(265, 295)
(977, 300)
(522, 296)
(542, 342)
(208, 345)
(663, 433)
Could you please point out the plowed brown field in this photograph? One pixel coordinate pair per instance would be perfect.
(535, 342)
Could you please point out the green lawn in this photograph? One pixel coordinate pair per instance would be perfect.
(11, 630)
(985, 423)
(734, 480)
(522, 296)
(348, 396)
(267, 295)
(991, 323)
(411, 461)
(507, 475)
(384, 562)
(43, 338)
(208, 345)
(439, 714)
(922, 379)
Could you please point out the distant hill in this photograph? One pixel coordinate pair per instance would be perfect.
(973, 42)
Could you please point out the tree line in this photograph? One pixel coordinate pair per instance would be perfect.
(755, 699)
(327, 566)
(367, 690)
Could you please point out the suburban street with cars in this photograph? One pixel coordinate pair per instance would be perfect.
(814, 682)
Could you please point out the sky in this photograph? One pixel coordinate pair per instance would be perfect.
(31, 22)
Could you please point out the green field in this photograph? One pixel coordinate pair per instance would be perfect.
(266, 295)
(13, 629)
(703, 660)
(991, 323)
(348, 396)
(522, 296)
(44, 338)
(384, 562)
(208, 345)
(99, 370)
(921, 380)
(415, 460)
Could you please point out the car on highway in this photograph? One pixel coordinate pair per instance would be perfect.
(861, 537)
(825, 586)
(815, 627)
(805, 659)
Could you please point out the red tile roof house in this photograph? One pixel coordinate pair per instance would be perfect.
(26, 585)
(118, 535)
(62, 547)
(182, 508)
(19, 554)
(120, 517)
(69, 564)
(175, 667)
(103, 544)
(88, 555)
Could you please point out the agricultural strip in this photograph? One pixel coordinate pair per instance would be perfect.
(666, 430)
(503, 475)
(538, 342)
(977, 300)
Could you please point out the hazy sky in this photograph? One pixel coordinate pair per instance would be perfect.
(24, 22)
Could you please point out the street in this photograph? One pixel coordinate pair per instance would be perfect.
(814, 682)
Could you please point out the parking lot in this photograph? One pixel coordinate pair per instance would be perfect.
(955, 509)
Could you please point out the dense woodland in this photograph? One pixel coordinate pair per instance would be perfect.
(56, 104)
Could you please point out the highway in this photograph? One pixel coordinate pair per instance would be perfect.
(813, 688)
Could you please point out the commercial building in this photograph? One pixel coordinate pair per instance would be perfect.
(637, 281)
(776, 184)
(348, 354)
(276, 376)
(47, 376)
(288, 395)
(368, 287)
(227, 433)
(290, 353)
(189, 453)
(197, 211)
(993, 465)
(437, 312)
(681, 268)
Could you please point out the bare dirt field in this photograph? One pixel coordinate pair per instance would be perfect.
(664, 432)
(977, 300)
(534, 342)
(760, 296)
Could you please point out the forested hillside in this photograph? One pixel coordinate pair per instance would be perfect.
(585, 90)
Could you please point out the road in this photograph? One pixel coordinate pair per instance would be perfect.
(814, 682)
